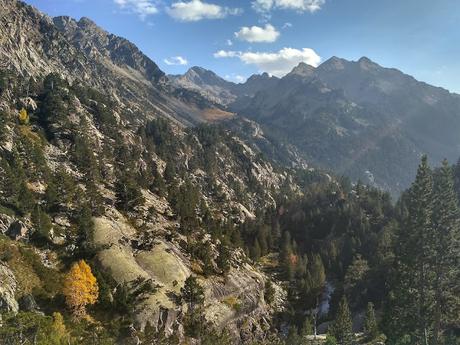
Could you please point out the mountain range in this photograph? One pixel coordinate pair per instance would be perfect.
(197, 210)
(355, 118)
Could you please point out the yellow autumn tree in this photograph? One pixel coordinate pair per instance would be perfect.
(23, 117)
(80, 288)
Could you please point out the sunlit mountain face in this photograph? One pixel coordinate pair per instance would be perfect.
(194, 172)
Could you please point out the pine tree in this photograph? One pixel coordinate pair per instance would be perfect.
(342, 328)
(42, 223)
(293, 337)
(412, 296)
(192, 292)
(269, 292)
(159, 185)
(370, 323)
(223, 260)
(445, 239)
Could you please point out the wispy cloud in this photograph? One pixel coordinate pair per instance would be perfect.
(176, 61)
(265, 6)
(142, 8)
(277, 63)
(258, 34)
(235, 78)
(196, 10)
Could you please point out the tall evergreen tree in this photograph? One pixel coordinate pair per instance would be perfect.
(412, 298)
(445, 239)
(342, 328)
(370, 323)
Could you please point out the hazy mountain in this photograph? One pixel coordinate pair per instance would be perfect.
(356, 118)
(359, 119)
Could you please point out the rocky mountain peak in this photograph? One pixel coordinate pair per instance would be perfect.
(333, 64)
(303, 70)
(367, 64)
(86, 22)
(202, 76)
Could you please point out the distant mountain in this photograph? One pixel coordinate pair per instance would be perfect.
(354, 117)
(207, 83)
(359, 119)
(217, 89)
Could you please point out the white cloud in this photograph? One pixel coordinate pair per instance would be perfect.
(229, 43)
(276, 63)
(226, 54)
(287, 25)
(142, 8)
(264, 6)
(257, 34)
(235, 78)
(176, 61)
(196, 10)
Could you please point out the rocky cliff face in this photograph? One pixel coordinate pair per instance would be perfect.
(8, 287)
(34, 45)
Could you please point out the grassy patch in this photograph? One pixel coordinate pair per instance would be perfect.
(32, 276)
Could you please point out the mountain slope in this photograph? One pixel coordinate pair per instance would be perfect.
(35, 45)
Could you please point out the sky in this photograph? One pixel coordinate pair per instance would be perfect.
(237, 38)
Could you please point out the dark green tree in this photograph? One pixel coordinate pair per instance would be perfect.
(269, 294)
(370, 323)
(223, 260)
(412, 297)
(446, 260)
(192, 293)
(42, 224)
(127, 192)
(342, 329)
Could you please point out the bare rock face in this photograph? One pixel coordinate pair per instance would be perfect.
(7, 290)
(235, 301)
(5, 223)
(28, 303)
(99, 44)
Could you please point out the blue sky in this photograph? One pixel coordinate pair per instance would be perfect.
(237, 38)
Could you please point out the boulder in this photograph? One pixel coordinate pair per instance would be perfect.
(5, 222)
(27, 303)
(28, 103)
(17, 230)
